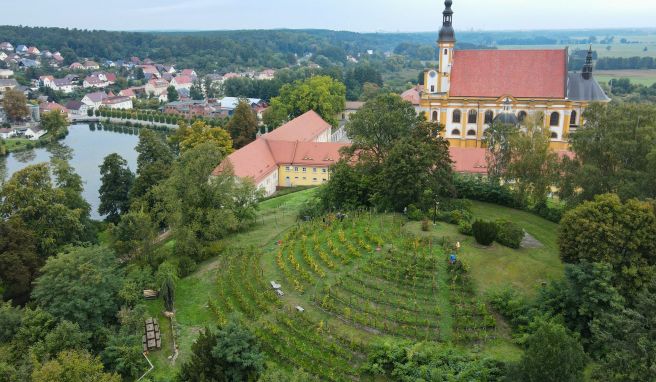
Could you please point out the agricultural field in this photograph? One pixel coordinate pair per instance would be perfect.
(617, 49)
(360, 281)
(645, 77)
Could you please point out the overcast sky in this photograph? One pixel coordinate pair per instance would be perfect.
(353, 15)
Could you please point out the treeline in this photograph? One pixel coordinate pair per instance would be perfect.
(612, 63)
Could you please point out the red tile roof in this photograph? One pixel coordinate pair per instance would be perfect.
(518, 73)
(412, 95)
(254, 160)
(183, 79)
(305, 128)
(470, 161)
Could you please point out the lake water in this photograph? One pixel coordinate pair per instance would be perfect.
(85, 148)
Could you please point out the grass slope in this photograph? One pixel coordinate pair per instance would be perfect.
(193, 292)
(524, 269)
(352, 294)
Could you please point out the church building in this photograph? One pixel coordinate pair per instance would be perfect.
(470, 89)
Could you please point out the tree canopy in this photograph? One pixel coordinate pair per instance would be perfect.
(15, 105)
(116, 180)
(322, 94)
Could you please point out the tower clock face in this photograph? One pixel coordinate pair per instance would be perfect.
(433, 74)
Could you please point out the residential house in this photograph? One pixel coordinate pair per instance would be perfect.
(182, 82)
(76, 109)
(215, 78)
(150, 71)
(189, 72)
(90, 65)
(6, 133)
(58, 57)
(46, 81)
(267, 74)
(127, 93)
(64, 85)
(76, 66)
(6, 73)
(351, 107)
(229, 104)
(413, 95)
(20, 49)
(46, 54)
(34, 133)
(28, 63)
(169, 69)
(3, 55)
(6, 46)
(8, 84)
(47, 107)
(95, 81)
(33, 51)
(117, 102)
(94, 100)
(156, 87)
(230, 75)
(190, 108)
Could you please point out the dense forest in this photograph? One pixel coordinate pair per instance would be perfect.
(225, 51)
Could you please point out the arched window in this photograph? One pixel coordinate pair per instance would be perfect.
(554, 135)
(456, 116)
(446, 52)
(455, 132)
(572, 119)
(434, 116)
(489, 117)
(555, 119)
(471, 133)
(521, 116)
(472, 116)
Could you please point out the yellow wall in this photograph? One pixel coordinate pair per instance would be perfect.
(298, 177)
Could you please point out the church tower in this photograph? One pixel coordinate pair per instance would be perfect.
(446, 44)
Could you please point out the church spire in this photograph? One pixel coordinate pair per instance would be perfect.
(587, 68)
(447, 34)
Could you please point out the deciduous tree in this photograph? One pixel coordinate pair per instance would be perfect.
(553, 354)
(609, 231)
(116, 180)
(81, 286)
(73, 366)
(321, 94)
(55, 123)
(15, 105)
(242, 125)
(153, 163)
(172, 94)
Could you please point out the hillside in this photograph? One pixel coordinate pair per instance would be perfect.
(360, 281)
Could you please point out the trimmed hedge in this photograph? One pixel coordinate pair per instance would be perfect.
(509, 234)
(484, 232)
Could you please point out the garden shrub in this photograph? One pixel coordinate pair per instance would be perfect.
(465, 228)
(186, 266)
(509, 234)
(484, 232)
(425, 225)
(414, 213)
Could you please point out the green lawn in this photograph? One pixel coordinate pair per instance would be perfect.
(643, 77)
(489, 268)
(17, 144)
(524, 269)
(193, 292)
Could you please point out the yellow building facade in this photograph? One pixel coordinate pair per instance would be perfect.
(471, 89)
(293, 175)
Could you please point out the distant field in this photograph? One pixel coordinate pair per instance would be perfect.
(643, 77)
(616, 49)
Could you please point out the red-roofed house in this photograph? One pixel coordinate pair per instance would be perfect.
(471, 89)
(296, 154)
(76, 66)
(309, 127)
(182, 82)
(189, 72)
(47, 107)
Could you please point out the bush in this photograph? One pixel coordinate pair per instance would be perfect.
(414, 213)
(476, 188)
(465, 228)
(186, 266)
(484, 232)
(550, 213)
(425, 225)
(509, 234)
